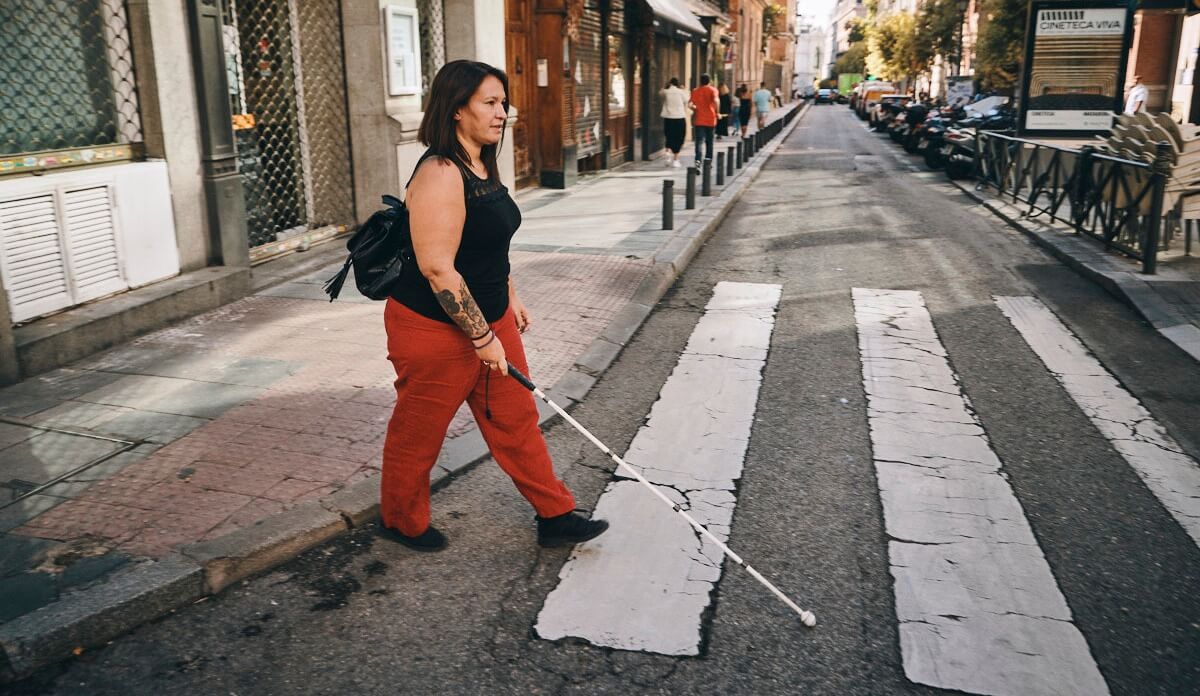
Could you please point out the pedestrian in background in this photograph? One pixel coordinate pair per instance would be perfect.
(744, 104)
(1137, 96)
(724, 104)
(735, 113)
(455, 322)
(704, 119)
(674, 116)
(778, 96)
(762, 103)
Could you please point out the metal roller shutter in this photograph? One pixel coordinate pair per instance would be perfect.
(589, 71)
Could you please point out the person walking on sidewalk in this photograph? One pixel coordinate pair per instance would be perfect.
(453, 327)
(704, 121)
(1136, 101)
(674, 116)
(744, 104)
(762, 104)
(724, 104)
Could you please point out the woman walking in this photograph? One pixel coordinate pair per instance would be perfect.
(674, 116)
(453, 327)
(724, 102)
(744, 104)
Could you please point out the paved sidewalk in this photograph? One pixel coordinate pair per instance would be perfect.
(144, 477)
(1169, 299)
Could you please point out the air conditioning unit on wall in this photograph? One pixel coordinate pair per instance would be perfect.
(77, 235)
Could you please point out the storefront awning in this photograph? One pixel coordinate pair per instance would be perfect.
(676, 12)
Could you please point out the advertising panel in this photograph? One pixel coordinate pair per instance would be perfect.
(1075, 58)
(959, 90)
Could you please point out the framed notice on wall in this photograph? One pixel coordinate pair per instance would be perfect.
(402, 39)
(1074, 74)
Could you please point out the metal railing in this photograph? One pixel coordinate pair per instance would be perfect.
(68, 83)
(1116, 201)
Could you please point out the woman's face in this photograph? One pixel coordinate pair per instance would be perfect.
(482, 119)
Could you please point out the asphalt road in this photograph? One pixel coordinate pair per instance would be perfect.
(837, 207)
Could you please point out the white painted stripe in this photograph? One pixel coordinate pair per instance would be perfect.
(1170, 474)
(644, 584)
(978, 606)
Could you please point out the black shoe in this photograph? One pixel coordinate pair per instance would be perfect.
(568, 529)
(427, 541)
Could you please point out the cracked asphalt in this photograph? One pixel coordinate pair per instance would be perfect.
(835, 208)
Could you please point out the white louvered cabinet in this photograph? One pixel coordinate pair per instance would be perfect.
(59, 249)
(66, 238)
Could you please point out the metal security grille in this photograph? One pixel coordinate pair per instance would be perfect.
(288, 91)
(66, 78)
(269, 139)
(589, 74)
(326, 135)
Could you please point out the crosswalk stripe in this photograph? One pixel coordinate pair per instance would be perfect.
(978, 605)
(644, 584)
(1170, 474)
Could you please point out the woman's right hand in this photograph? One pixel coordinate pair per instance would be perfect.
(492, 355)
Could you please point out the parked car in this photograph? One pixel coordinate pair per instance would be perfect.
(885, 109)
(869, 93)
(824, 96)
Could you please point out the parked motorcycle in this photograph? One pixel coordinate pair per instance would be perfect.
(960, 141)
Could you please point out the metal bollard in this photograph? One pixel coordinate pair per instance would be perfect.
(706, 183)
(689, 195)
(748, 147)
(668, 204)
(720, 168)
(737, 152)
(729, 161)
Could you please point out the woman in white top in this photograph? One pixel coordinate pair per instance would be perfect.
(674, 115)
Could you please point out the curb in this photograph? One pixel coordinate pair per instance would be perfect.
(149, 590)
(1094, 264)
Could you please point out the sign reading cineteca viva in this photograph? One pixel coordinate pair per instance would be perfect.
(1075, 60)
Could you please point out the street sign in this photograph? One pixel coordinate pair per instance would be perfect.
(1074, 73)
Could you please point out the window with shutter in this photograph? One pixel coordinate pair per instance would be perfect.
(33, 263)
(92, 243)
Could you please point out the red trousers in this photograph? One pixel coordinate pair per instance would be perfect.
(436, 371)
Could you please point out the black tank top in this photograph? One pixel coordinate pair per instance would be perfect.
(482, 258)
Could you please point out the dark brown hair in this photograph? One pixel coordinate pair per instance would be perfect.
(452, 89)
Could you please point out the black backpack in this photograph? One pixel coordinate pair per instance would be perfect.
(379, 252)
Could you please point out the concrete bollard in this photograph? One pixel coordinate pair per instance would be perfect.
(706, 183)
(668, 212)
(720, 168)
(689, 194)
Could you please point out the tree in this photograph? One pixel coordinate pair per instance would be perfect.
(938, 23)
(893, 51)
(856, 30)
(1001, 45)
(773, 22)
(853, 60)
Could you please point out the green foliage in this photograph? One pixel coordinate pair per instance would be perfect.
(852, 61)
(827, 84)
(1001, 45)
(773, 20)
(938, 23)
(893, 48)
(856, 30)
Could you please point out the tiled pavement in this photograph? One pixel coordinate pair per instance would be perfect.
(208, 426)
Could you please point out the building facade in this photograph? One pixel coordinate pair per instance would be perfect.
(182, 141)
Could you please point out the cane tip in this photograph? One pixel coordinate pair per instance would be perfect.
(808, 618)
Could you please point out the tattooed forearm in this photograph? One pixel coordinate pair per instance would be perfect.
(463, 310)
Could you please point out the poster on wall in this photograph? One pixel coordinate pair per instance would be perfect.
(403, 50)
(959, 90)
(1075, 59)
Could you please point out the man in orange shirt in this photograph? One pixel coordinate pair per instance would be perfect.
(704, 121)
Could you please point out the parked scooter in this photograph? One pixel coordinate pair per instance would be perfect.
(960, 142)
